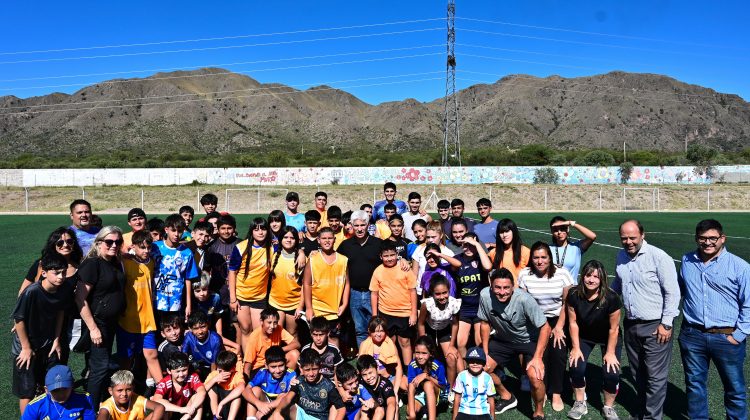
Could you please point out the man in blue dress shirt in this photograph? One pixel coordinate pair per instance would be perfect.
(716, 287)
(646, 279)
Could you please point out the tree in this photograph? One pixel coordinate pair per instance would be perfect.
(534, 155)
(598, 158)
(546, 176)
(703, 158)
(626, 169)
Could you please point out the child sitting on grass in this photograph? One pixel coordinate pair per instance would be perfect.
(124, 404)
(225, 386)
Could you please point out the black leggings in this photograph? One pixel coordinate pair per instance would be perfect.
(555, 362)
(578, 374)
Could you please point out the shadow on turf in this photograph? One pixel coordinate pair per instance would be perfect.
(675, 405)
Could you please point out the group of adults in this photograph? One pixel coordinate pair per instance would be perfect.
(541, 305)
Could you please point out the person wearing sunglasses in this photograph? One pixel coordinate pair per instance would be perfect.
(100, 298)
(567, 253)
(717, 321)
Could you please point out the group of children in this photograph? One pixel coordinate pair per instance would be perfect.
(175, 282)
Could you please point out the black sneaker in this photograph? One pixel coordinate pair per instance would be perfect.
(538, 418)
(502, 405)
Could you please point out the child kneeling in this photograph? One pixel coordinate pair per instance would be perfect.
(225, 385)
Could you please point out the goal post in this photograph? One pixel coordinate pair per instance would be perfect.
(640, 199)
(253, 200)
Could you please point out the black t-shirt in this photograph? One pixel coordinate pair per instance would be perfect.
(216, 262)
(309, 245)
(363, 260)
(401, 244)
(71, 309)
(592, 319)
(381, 392)
(329, 359)
(106, 298)
(316, 399)
(38, 309)
(165, 351)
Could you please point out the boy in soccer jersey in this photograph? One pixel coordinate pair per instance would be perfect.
(313, 396)
(181, 391)
(136, 331)
(359, 403)
(225, 386)
(330, 356)
(172, 332)
(309, 242)
(59, 399)
(269, 384)
(380, 388)
(187, 214)
(474, 390)
(201, 345)
(175, 269)
(124, 404)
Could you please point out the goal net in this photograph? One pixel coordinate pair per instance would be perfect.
(640, 199)
(254, 200)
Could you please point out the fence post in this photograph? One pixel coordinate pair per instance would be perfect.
(708, 200)
(258, 204)
(373, 197)
(545, 198)
(600, 198)
(226, 199)
(83, 193)
(658, 199)
(198, 196)
(26, 199)
(490, 194)
(142, 200)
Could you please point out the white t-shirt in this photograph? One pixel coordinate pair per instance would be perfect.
(438, 318)
(546, 291)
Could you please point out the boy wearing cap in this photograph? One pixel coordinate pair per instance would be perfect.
(59, 399)
(474, 390)
(137, 222)
(292, 215)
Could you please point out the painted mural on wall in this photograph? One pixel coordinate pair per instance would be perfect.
(358, 176)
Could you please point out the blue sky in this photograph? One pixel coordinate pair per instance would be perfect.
(705, 43)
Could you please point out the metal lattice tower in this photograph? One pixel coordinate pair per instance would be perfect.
(451, 139)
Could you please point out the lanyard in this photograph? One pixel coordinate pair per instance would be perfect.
(560, 262)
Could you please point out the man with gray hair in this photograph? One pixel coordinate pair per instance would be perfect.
(647, 281)
(363, 252)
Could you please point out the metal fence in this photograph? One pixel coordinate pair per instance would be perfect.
(161, 200)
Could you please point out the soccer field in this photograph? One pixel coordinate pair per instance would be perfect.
(24, 236)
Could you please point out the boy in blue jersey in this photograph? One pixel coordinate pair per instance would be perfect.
(358, 401)
(313, 396)
(426, 379)
(175, 269)
(268, 384)
(474, 390)
(59, 400)
(201, 345)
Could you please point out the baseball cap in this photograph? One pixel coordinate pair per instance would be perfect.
(135, 212)
(58, 377)
(292, 196)
(476, 354)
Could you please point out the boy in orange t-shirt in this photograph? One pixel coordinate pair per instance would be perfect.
(269, 334)
(225, 386)
(394, 298)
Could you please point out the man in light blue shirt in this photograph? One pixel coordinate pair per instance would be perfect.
(716, 287)
(646, 279)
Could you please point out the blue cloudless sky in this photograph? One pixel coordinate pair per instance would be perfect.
(57, 46)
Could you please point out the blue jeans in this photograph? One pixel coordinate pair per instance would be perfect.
(359, 305)
(698, 349)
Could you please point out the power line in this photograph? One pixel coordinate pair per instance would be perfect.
(67, 104)
(228, 97)
(222, 38)
(634, 97)
(335, 38)
(635, 38)
(596, 44)
(528, 62)
(240, 63)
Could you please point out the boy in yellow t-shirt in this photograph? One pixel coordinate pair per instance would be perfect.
(124, 404)
(137, 330)
(394, 298)
(326, 284)
(225, 386)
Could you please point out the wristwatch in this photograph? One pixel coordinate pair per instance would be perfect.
(666, 327)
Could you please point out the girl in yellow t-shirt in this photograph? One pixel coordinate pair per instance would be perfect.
(286, 287)
(249, 271)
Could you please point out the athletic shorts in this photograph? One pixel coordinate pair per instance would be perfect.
(301, 415)
(129, 344)
(399, 326)
(334, 326)
(469, 320)
(258, 304)
(28, 383)
(441, 336)
(504, 353)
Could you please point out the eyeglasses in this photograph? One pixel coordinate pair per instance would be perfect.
(708, 239)
(61, 242)
(110, 242)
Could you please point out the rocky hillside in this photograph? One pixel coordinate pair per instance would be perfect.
(183, 112)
